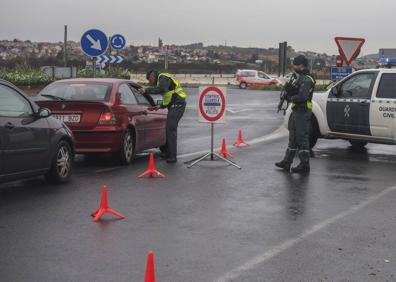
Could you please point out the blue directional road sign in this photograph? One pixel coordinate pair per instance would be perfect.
(94, 42)
(103, 59)
(339, 73)
(117, 41)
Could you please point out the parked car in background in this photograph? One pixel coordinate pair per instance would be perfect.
(252, 78)
(106, 116)
(32, 142)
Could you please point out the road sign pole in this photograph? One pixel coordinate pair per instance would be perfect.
(109, 52)
(212, 141)
(93, 67)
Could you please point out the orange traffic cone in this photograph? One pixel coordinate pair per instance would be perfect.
(151, 169)
(223, 150)
(239, 142)
(150, 272)
(104, 207)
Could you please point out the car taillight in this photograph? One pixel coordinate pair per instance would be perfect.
(107, 118)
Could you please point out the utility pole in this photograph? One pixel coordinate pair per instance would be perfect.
(65, 48)
(282, 58)
(166, 58)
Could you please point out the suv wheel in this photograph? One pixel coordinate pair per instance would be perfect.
(313, 133)
(61, 166)
(243, 85)
(358, 144)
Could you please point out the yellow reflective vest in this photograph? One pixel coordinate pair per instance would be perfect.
(168, 95)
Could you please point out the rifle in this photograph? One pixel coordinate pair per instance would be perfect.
(283, 98)
(286, 92)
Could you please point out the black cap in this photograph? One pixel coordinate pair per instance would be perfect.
(300, 60)
(150, 72)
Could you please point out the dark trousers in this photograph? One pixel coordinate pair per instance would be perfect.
(299, 124)
(175, 113)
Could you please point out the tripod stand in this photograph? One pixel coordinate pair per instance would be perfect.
(211, 154)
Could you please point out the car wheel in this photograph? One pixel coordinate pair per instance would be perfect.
(128, 148)
(61, 166)
(243, 85)
(358, 144)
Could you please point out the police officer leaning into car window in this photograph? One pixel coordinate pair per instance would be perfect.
(300, 95)
(174, 99)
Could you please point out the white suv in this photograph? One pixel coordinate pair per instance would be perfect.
(248, 78)
(361, 108)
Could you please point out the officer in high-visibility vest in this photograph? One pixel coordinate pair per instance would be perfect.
(174, 98)
(300, 95)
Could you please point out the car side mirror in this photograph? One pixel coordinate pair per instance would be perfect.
(44, 113)
(160, 102)
(335, 91)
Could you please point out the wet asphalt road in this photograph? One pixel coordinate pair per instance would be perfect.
(212, 222)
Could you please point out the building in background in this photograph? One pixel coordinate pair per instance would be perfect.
(387, 53)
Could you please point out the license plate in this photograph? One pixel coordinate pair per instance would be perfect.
(68, 118)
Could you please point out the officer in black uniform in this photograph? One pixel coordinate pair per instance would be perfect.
(174, 99)
(299, 93)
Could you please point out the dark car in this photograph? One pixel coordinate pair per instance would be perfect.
(31, 141)
(106, 116)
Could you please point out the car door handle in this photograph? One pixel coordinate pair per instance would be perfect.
(364, 103)
(9, 125)
(145, 113)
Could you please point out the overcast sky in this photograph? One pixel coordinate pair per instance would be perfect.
(305, 24)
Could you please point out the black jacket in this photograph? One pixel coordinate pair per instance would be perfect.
(304, 90)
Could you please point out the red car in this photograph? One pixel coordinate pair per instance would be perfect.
(106, 116)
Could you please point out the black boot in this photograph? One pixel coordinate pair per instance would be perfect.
(288, 159)
(164, 155)
(301, 168)
(171, 160)
(284, 165)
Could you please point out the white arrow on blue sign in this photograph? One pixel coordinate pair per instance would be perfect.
(94, 42)
(103, 59)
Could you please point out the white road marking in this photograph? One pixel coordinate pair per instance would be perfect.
(273, 252)
(238, 111)
(277, 134)
(253, 105)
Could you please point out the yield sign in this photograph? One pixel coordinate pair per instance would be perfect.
(349, 48)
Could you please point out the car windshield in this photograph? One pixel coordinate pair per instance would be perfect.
(247, 74)
(78, 91)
